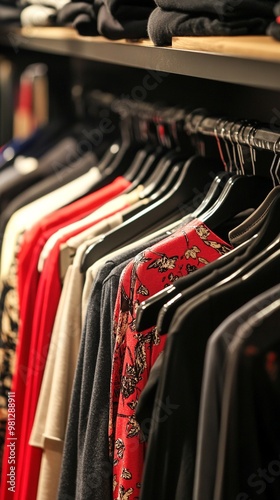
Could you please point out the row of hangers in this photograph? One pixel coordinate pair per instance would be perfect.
(166, 151)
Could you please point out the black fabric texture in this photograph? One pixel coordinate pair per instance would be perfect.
(250, 433)
(112, 19)
(127, 12)
(213, 273)
(223, 9)
(79, 15)
(212, 393)
(163, 25)
(114, 29)
(190, 286)
(122, 9)
(173, 435)
(255, 221)
(147, 398)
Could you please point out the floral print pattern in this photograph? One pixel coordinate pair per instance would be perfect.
(189, 248)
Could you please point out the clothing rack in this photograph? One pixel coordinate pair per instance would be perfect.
(252, 134)
(242, 86)
(172, 121)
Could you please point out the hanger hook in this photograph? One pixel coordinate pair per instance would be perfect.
(274, 177)
(250, 140)
(233, 146)
(226, 145)
(219, 120)
(236, 134)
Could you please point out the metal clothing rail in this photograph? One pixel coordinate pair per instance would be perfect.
(243, 132)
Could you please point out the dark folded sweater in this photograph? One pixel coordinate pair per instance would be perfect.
(163, 25)
(80, 15)
(133, 9)
(224, 9)
(115, 29)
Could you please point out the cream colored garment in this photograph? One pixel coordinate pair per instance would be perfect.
(37, 15)
(27, 216)
(56, 4)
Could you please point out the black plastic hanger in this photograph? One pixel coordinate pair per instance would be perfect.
(193, 177)
(266, 227)
(240, 193)
(213, 193)
(160, 173)
(148, 310)
(267, 241)
(137, 176)
(109, 156)
(167, 312)
(164, 189)
(139, 161)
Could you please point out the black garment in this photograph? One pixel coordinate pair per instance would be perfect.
(190, 286)
(62, 154)
(263, 221)
(254, 223)
(170, 460)
(212, 392)
(163, 25)
(147, 400)
(223, 9)
(249, 447)
(213, 273)
(86, 470)
(114, 19)
(133, 9)
(63, 174)
(115, 29)
(79, 14)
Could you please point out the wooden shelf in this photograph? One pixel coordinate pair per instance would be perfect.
(262, 48)
(252, 61)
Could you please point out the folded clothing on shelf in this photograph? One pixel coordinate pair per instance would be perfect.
(81, 15)
(40, 12)
(208, 18)
(132, 27)
(223, 9)
(114, 19)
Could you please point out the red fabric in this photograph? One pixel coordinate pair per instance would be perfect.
(45, 311)
(189, 248)
(38, 304)
(278, 19)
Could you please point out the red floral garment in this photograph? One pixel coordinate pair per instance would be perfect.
(192, 246)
